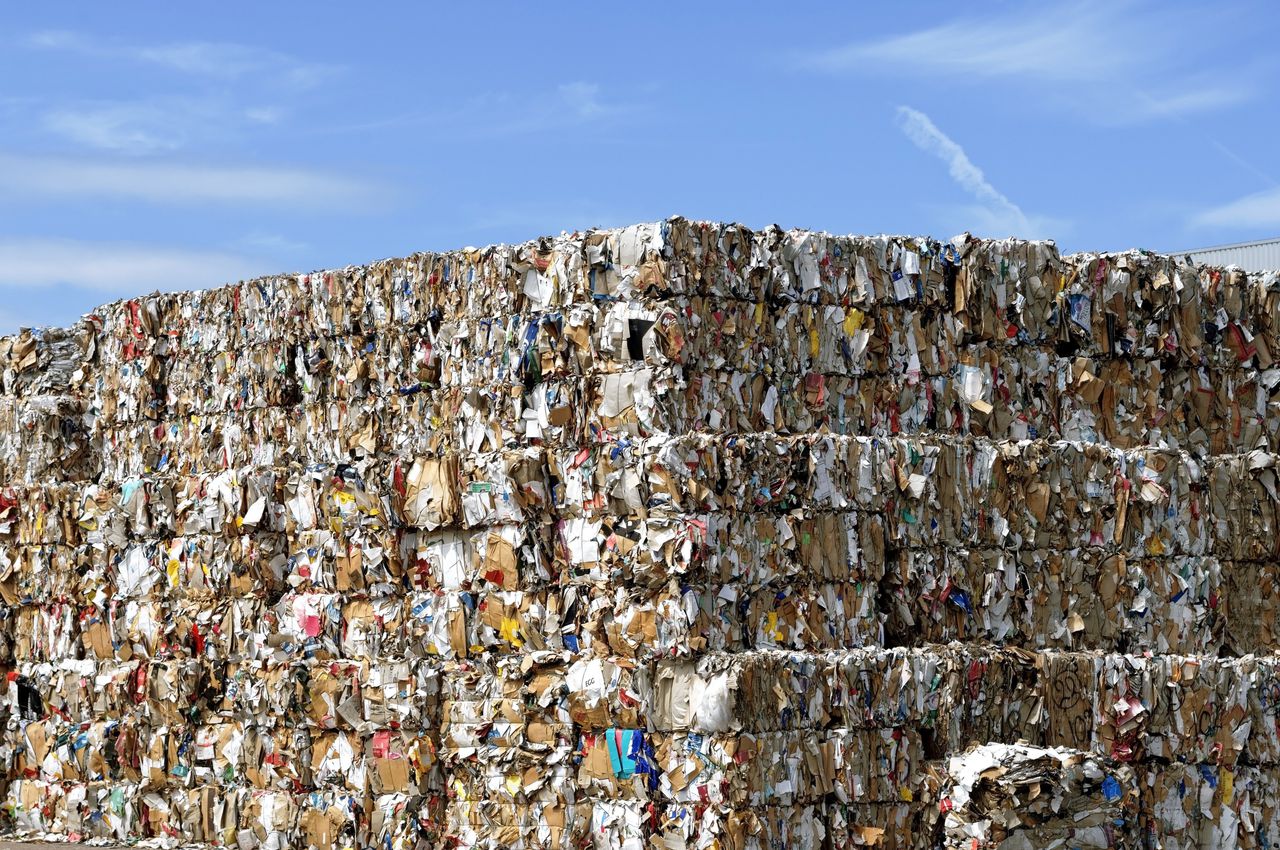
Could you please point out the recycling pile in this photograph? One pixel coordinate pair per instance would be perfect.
(670, 537)
(1033, 798)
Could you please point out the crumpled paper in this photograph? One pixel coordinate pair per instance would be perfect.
(678, 535)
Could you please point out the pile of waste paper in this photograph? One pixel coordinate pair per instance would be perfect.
(680, 536)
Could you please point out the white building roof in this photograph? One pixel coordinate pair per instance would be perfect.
(1262, 255)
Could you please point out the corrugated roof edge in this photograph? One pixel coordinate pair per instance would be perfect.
(1252, 244)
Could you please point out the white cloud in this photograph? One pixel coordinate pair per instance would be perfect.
(214, 60)
(1101, 59)
(1186, 101)
(28, 178)
(272, 243)
(199, 58)
(493, 114)
(234, 60)
(1057, 43)
(575, 104)
(926, 136)
(1257, 211)
(263, 114)
(60, 40)
(111, 268)
(133, 128)
(233, 93)
(994, 214)
(582, 98)
(152, 126)
(1242, 162)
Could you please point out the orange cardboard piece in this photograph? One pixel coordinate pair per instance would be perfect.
(500, 563)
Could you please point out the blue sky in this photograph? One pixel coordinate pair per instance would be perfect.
(169, 146)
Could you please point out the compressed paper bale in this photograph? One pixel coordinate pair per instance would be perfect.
(679, 535)
(1018, 798)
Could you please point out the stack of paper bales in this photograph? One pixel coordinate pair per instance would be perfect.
(674, 537)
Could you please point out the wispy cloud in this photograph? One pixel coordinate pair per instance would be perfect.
(61, 40)
(583, 99)
(572, 104)
(264, 114)
(272, 244)
(925, 135)
(994, 213)
(1243, 163)
(1101, 59)
(133, 128)
(152, 126)
(1191, 100)
(113, 268)
(1257, 211)
(37, 178)
(229, 91)
(499, 114)
(201, 58)
(1054, 43)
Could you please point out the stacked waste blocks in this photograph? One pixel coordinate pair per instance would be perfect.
(675, 536)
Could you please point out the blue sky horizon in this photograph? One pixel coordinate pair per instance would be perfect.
(148, 146)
